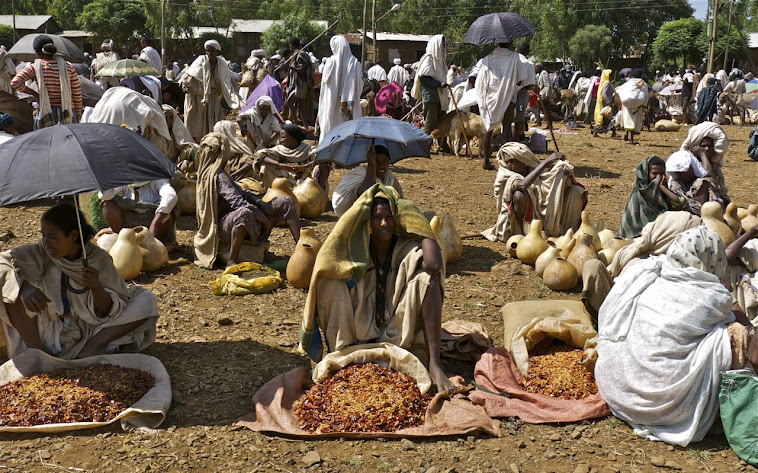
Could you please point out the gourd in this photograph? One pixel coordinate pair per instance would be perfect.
(713, 218)
(300, 264)
(546, 258)
(311, 198)
(560, 275)
(281, 186)
(126, 254)
(107, 240)
(512, 244)
(187, 200)
(751, 219)
(154, 253)
(583, 251)
(587, 228)
(741, 213)
(606, 236)
(448, 237)
(533, 245)
(731, 219)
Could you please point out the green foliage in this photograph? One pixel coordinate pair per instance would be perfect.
(294, 24)
(226, 43)
(589, 44)
(65, 12)
(679, 42)
(6, 36)
(116, 19)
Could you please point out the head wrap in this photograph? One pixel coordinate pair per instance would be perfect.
(234, 144)
(518, 151)
(397, 61)
(3, 53)
(276, 56)
(212, 43)
(259, 53)
(700, 248)
(6, 119)
(294, 131)
(683, 160)
(107, 43)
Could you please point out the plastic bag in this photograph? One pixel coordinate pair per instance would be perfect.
(231, 284)
(738, 400)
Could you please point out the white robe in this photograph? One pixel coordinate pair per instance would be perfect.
(151, 56)
(432, 64)
(342, 82)
(202, 103)
(377, 73)
(398, 75)
(496, 86)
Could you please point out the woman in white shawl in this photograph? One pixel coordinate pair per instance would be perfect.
(664, 337)
(429, 83)
(182, 143)
(261, 124)
(709, 140)
(7, 71)
(206, 82)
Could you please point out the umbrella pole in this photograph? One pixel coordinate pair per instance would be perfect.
(549, 123)
(463, 129)
(411, 112)
(81, 237)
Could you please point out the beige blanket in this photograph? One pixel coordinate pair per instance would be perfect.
(210, 159)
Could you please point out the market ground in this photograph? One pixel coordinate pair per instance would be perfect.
(219, 350)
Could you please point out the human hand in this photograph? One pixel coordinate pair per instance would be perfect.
(444, 85)
(91, 278)
(34, 299)
(555, 157)
(371, 158)
(664, 182)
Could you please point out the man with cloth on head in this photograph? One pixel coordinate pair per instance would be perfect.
(500, 77)
(150, 55)
(377, 73)
(429, 85)
(207, 80)
(106, 56)
(398, 74)
(7, 71)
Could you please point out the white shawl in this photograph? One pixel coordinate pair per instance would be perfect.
(228, 130)
(179, 132)
(497, 85)
(255, 122)
(342, 82)
(44, 101)
(201, 70)
(398, 75)
(122, 105)
(432, 63)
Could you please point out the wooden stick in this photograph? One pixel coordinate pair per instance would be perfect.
(463, 128)
(293, 56)
(411, 112)
(549, 122)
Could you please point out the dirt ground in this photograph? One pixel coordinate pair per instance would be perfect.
(219, 350)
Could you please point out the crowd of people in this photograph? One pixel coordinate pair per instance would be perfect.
(677, 285)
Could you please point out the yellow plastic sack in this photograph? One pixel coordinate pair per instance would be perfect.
(231, 284)
(529, 322)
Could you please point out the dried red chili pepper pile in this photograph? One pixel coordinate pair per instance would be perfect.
(557, 371)
(362, 397)
(96, 393)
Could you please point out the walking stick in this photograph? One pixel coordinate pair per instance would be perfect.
(463, 129)
(411, 112)
(307, 44)
(549, 122)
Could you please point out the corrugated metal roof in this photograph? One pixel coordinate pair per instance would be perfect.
(198, 31)
(259, 26)
(752, 40)
(25, 22)
(399, 37)
(76, 34)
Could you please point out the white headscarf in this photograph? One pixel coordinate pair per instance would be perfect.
(683, 160)
(228, 130)
(213, 44)
(179, 130)
(255, 114)
(342, 81)
(432, 63)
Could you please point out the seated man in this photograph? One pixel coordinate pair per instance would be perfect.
(527, 189)
(389, 291)
(54, 302)
(691, 179)
(358, 180)
(227, 215)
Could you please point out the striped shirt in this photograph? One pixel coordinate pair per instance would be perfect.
(51, 76)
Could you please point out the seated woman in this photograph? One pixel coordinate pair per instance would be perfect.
(650, 197)
(182, 147)
(241, 153)
(52, 301)
(388, 291)
(358, 180)
(708, 141)
(527, 189)
(664, 337)
(291, 159)
(228, 215)
(152, 204)
(261, 124)
(688, 179)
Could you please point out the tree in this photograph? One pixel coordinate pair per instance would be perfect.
(116, 19)
(298, 25)
(65, 12)
(6, 36)
(590, 44)
(679, 42)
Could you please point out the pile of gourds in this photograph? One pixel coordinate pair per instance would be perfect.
(133, 250)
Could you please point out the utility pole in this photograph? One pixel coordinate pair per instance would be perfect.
(712, 36)
(373, 31)
(363, 36)
(13, 9)
(163, 33)
(728, 37)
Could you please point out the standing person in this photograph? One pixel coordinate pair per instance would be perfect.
(633, 95)
(430, 82)
(590, 99)
(544, 89)
(707, 99)
(341, 87)
(299, 92)
(207, 80)
(273, 63)
(522, 97)
(7, 71)
(500, 76)
(398, 74)
(377, 73)
(60, 94)
(106, 56)
(688, 86)
(605, 92)
(150, 55)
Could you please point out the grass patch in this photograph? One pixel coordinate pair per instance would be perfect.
(356, 461)
(614, 422)
(700, 455)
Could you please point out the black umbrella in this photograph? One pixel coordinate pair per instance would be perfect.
(498, 28)
(24, 49)
(91, 92)
(72, 159)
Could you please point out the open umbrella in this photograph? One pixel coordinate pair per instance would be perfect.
(270, 87)
(91, 92)
(671, 89)
(127, 68)
(347, 144)
(24, 48)
(498, 28)
(751, 85)
(623, 72)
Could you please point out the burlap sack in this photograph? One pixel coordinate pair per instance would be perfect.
(150, 411)
(529, 322)
(464, 340)
(500, 392)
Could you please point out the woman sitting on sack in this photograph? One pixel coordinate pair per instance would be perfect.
(708, 141)
(55, 302)
(227, 215)
(261, 124)
(527, 189)
(692, 180)
(378, 278)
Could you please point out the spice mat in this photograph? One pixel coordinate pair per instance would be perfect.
(150, 411)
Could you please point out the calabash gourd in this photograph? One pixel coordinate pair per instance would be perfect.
(448, 237)
(713, 218)
(126, 254)
(281, 186)
(583, 251)
(731, 219)
(533, 245)
(741, 213)
(586, 227)
(605, 236)
(560, 275)
(546, 258)
(106, 240)
(751, 219)
(154, 253)
(311, 197)
(512, 244)
(300, 264)
(187, 200)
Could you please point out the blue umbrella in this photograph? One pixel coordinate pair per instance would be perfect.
(347, 144)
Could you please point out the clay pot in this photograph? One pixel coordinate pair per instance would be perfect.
(606, 236)
(560, 275)
(713, 218)
(741, 213)
(281, 186)
(311, 197)
(751, 219)
(448, 237)
(586, 227)
(533, 245)
(187, 200)
(300, 265)
(154, 253)
(731, 219)
(546, 258)
(126, 254)
(106, 240)
(583, 251)
(512, 244)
